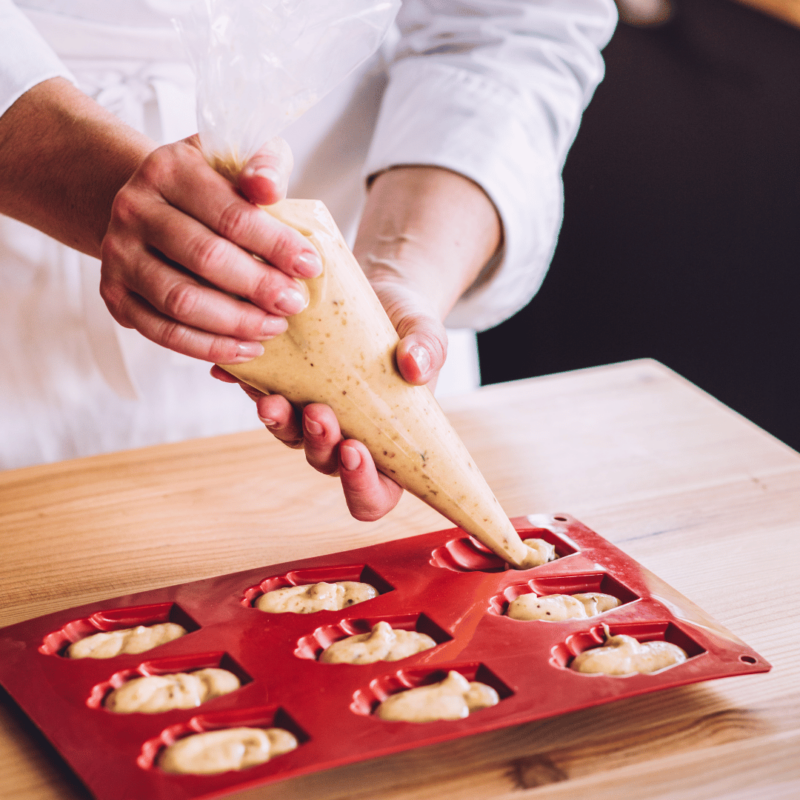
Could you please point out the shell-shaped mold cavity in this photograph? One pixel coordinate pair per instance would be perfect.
(115, 619)
(563, 584)
(304, 577)
(257, 717)
(368, 698)
(311, 646)
(561, 654)
(466, 554)
(166, 666)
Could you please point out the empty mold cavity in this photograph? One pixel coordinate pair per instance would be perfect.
(305, 577)
(260, 717)
(467, 554)
(166, 666)
(311, 646)
(367, 699)
(56, 643)
(562, 584)
(562, 654)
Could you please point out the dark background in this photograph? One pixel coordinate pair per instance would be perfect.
(681, 238)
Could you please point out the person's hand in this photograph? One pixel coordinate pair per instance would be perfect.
(178, 255)
(424, 237)
(420, 355)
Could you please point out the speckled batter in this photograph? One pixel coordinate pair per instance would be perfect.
(224, 750)
(154, 694)
(453, 698)
(559, 607)
(126, 640)
(624, 655)
(315, 597)
(539, 552)
(382, 643)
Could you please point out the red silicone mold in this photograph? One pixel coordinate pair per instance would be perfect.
(444, 584)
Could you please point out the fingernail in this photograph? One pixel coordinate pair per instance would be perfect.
(270, 423)
(422, 358)
(313, 427)
(349, 457)
(291, 301)
(249, 349)
(272, 327)
(309, 265)
(268, 174)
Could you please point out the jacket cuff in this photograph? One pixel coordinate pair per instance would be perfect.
(26, 58)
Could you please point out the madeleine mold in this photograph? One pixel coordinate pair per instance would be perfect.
(443, 584)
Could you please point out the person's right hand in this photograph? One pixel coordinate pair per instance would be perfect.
(178, 255)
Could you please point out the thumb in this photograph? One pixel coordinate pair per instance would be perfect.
(423, 340)
(265, 176)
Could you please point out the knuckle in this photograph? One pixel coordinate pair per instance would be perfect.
(114, 296)
(247, 325)
(264, 286)
(170, 334)
(221, 351)
(125, 208)
(109, 292)
(210, 254)
(158, 167)
(282, 245)
(181, 301)
(110, 252)
(235, 221)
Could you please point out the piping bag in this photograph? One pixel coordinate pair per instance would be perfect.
(259, 65)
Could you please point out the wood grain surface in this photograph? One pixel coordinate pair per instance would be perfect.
(694, 492)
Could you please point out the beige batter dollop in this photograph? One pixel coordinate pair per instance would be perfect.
(229, 749)
(624, 655)
(126, 640)
(539, 552)
(315, 597)
(453, 698)
(560, 607)
(383, 643)
(154, 694)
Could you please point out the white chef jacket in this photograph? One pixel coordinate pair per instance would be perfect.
(491, 89)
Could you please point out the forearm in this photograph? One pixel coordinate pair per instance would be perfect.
(428, 228)
(63, 158)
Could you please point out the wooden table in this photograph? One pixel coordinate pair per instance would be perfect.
(697, 494)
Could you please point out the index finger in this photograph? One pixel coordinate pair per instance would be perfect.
(196, 189)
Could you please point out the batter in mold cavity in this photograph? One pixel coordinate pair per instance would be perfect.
(154, 694)
(382, 643)
(308, 599)
(126, 640)
(560, 607)
(225, 750)
(453, 698)
(539, 552)
(623, 655)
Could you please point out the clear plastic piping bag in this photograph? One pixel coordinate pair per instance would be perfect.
(260, 64)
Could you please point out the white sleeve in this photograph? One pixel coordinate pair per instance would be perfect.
(494, 90)
(25, 58)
